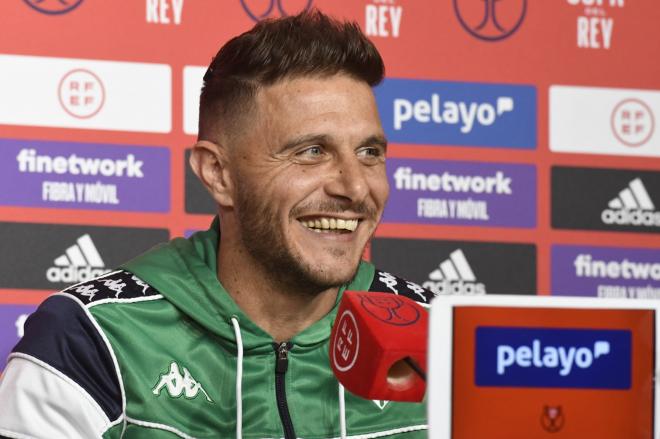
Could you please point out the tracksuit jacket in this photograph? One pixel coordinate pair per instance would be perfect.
(158, 349)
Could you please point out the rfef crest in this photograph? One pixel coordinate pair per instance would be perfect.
(552, 418)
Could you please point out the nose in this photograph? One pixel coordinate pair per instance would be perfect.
(348, 180)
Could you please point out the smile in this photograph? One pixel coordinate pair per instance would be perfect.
(327, 224)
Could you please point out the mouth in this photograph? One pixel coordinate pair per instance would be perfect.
(330, 224)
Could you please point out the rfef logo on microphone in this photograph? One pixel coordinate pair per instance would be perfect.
(458, 113)
(553, 357)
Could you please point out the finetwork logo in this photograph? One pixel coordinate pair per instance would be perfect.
(382, 18)
(30, 162)
(553, 357)
(433, 112)
(490, 20)
(454, 276)
(178, 384)
(53, 7)
(589, 267)
(633, 206)
(606, 272)
(79, 263)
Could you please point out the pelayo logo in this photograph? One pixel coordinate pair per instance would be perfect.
(553, 357)
(458, 113)
(257, 11)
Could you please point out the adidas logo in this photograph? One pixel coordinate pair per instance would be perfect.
(633, 207)
(79, 263)
(178, 385)
(454, 276)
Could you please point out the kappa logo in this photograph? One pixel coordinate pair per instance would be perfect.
(454, 276)
(79, 263)
(380, 403)
(632, 207)
(20, 325)
(284, 7)
(490, 20)
(53, 7)
(178, 385)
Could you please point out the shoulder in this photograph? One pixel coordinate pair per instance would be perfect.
(65, 359)
(116, 286)
(384, 281)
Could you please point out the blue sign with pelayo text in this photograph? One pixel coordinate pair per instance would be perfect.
(553, 357)
(458, 113)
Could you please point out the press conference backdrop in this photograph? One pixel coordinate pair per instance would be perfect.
(524, 158)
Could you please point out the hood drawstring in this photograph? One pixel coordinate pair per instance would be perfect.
(239, 379)
(342, 413)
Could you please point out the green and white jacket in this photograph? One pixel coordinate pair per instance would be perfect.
(158, 349)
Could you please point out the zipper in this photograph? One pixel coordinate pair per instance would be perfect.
(281, 366)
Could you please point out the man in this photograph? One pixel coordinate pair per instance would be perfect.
(226, 334)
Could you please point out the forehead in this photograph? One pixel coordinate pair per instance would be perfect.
(296, 106)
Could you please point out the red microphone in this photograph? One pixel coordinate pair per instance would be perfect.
(378, 346)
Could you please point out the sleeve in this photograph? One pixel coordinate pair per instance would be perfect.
(385, 282)
(61, 380)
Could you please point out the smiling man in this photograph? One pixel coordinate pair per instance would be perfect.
(235, 320)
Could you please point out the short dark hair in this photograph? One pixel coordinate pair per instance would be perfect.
(308, 44)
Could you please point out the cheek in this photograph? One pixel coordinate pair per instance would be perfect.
(380, 188)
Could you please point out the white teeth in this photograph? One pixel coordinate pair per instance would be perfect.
(331, 224)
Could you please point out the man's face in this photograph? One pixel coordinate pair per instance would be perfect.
(310, 179)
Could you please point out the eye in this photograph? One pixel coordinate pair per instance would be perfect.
(311, 151)
(373, 154)
(311, 154)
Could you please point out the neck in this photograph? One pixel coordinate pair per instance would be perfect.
(280, 309)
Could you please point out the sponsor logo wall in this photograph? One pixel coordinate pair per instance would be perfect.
(454, 267)
(523, 153)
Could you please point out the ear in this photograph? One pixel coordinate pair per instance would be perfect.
(208, 162)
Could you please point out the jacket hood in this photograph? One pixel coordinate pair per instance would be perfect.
(184, 271)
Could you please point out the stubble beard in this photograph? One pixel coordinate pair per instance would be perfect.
(261, 233)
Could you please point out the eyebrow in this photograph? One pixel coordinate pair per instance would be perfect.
(307, 138)
(378, 140)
